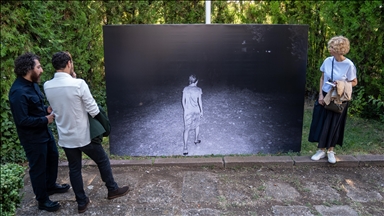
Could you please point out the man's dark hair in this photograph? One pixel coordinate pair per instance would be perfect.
(60, 60)
(192, 79)
(25, 63)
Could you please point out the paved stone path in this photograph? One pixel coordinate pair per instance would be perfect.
(194, 189)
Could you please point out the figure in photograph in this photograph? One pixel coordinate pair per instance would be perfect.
(72, 103)
(338, 72)
(32, 119)
(193, 110)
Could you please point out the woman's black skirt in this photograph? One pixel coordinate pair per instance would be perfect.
(327, 127)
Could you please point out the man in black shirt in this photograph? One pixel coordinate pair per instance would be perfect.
(32, 118)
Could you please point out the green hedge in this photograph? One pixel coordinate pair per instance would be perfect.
(11, 182)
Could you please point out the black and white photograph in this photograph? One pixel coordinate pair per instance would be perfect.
(199, 90)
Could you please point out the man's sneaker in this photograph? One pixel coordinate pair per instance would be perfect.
(118, 192)
(331, 157)
(319, 154)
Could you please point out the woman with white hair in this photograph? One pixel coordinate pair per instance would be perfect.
(327, 127)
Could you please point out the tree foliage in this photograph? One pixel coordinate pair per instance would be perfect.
(50, 26)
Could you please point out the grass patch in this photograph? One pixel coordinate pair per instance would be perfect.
(361, 136)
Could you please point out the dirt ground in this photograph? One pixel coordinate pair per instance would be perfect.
(235, 121)
(172, 190)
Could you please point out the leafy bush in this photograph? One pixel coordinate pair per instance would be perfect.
(11, 150)
(358, 102)
(377, 106)
(11, 182)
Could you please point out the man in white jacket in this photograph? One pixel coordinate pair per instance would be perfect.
(71, 101)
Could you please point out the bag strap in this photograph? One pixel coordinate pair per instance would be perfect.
(332, 69)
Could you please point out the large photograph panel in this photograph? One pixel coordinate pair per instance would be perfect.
(252, 80)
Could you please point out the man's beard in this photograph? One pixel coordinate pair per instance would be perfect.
(35, 77)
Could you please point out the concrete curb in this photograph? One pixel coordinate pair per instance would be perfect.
(250, 161)
(370, 160)
(342, 161)
(258, 161)
(213, 161)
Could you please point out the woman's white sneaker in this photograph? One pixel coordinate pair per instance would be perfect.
(331, 157)
(319, 154)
